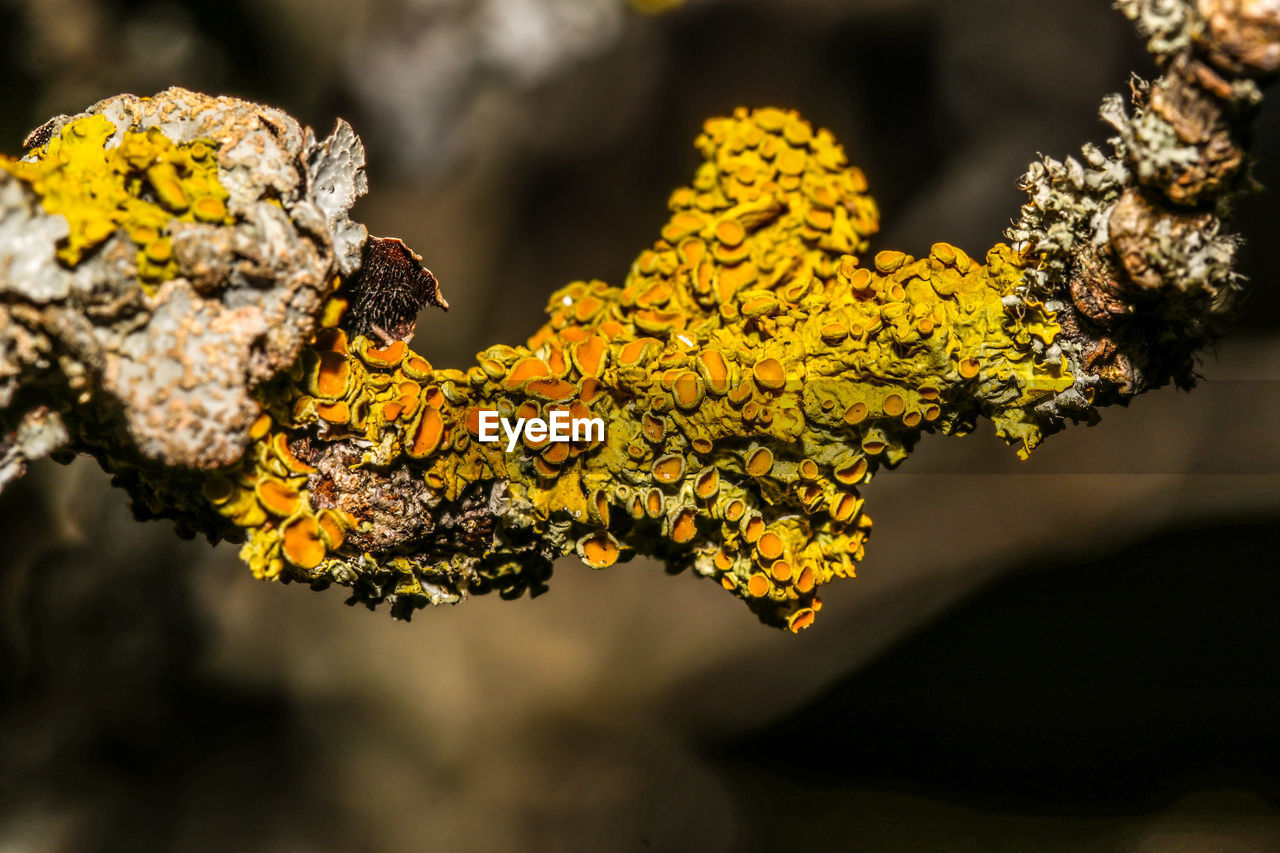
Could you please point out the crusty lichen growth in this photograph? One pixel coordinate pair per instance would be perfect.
(755, 369)
(752, 373)
(141, 185)
(1169, 25)
(1130, 248)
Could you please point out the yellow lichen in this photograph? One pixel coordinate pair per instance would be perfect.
(142, 184)
(751, 371)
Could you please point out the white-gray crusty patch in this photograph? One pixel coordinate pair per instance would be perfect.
(337, 180)
(181, 378)
(1169, 25)
(28, 240)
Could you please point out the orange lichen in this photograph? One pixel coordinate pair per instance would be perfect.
(427, 434)
(301, 542)
(750, 371)
(600, 551)
(685, 526)
(758, 585)
(769, 374)
(770, 546)
(707, 484)
(668, 469)
(332, 376)
(278, 498)
(759, 461)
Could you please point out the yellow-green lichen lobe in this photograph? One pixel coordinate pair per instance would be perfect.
(752, 370)
(141, 185)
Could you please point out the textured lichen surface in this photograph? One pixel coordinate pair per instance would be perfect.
(751, 371)
(183, 295)
(140, 185)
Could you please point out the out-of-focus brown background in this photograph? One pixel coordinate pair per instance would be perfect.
(1077, 651)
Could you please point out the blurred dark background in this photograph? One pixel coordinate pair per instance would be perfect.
(1080, 651)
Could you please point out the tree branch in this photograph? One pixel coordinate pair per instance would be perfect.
(183, 296)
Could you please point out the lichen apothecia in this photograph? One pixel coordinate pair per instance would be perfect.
(755, 369)
(753, 374)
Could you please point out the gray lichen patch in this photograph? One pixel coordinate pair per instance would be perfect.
(28, 237)
(1130, 247)
(39, 433)
(336, 171)
(1169, 25)
(181, 378)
